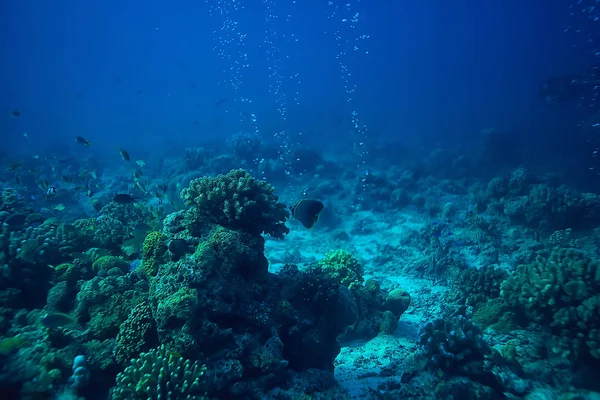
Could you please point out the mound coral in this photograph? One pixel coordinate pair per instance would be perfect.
(236, 201)
(397, 301)
(153, 250)
(343, 267)
(106, 263)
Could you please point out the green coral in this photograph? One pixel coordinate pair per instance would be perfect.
(560, 292)
(236, 201)
(153, 250)
(232, 252)
(106, 263)
(161, 374)
(136, 334)
(343, 267)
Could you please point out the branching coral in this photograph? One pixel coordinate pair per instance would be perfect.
(236, 201)
(160, 374)
(453, 343)
(561, 292)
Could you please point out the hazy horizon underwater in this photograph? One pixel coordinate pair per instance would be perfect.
(294, 200)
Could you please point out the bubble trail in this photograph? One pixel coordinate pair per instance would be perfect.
(275, 37)
(231, 47)
(349, 45)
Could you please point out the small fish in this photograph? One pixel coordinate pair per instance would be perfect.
(307, 211)
(13, 166)
(96, 204)
(15, 114)
(42, 184)
(83, 141)
(123, 198)
(141, 163)
(51, 191)
(221, 102)
(124, 154)
(88, 191)
(59, 207)
(57, 319)
(25, 135)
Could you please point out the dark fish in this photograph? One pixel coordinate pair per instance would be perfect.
(178, 247)
(138, 92)
(15, 113)
(13, 166)
(83, 141)
(124, 154)
(123, 198)
(57, 319)
(221, 102)
(88, 192)
(307, 211)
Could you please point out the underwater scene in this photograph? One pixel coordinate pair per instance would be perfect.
(300, 199)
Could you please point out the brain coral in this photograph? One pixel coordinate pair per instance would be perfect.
(237, 201)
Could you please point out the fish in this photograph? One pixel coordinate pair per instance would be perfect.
(59, 207)
(51, 191)
(221, 102)
(83, 141)
(141, 163)
(57, 320)
(162, 187)
(88, 192)
(13, 166)
(124, 154)
(15, 113)
(307, 211)
(42, 184)
(96, 204)
(124, 198)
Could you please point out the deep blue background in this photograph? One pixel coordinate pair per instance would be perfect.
(434, 69)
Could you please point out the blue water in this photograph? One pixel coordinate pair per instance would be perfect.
(421, 128)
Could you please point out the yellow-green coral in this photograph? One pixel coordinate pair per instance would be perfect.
(64, 272)
(343, 267)
(153, 249)
(106, 263)
(14, 343)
